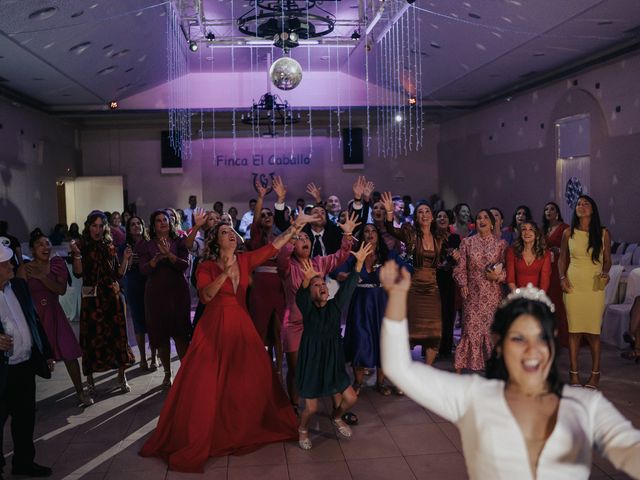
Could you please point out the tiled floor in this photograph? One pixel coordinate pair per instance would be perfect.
(396, 439)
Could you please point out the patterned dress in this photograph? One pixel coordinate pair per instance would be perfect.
(103, 328)
(476, 253)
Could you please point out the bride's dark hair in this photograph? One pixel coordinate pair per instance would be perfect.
(504, 318)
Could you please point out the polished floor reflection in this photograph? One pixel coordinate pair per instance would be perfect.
(396, 439)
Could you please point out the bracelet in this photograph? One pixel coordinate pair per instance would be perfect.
(347, 233)
(562, 277)
(77, 257)
(604, 274)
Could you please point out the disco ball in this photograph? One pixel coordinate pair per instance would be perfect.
(285, 73)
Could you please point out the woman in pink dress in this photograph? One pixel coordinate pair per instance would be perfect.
(527, 260)
(47, 280)
(553, 226)
(479, 272)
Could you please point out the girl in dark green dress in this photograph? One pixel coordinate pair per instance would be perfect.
(321, 368)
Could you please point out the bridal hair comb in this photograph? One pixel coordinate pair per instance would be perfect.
(530, 293)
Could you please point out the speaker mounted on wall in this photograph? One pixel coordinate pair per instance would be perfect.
(170, 161)
(352, 152)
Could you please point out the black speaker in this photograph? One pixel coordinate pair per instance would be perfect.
(170, 161)
(352, 154)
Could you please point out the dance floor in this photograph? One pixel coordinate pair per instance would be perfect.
(396, 439)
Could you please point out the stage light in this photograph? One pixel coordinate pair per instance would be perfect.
(412, 101)
(210, 37)
(398, 118)
(113, 104)
(193, 46)
(355, 35)
(411, 2)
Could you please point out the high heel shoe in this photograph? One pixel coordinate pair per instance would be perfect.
(123, 385)
(631, 355)
(85, 399)
(304, 442)
(574, 383)
(592, 386)
(91, 386)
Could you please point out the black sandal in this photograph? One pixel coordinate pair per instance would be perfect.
(350, 418)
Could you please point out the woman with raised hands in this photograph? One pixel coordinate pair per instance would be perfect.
(519, 422)
(321, 368)
(423, 248)
(226, 399)
(290, 270)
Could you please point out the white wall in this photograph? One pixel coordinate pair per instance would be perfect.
(486, 163)
(35, 151)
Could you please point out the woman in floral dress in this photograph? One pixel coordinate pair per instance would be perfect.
(479, 272)
(103, 328)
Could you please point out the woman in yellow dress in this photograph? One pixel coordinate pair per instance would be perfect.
(585, 260)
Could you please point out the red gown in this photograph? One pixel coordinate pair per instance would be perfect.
(555, 290)
(226, 398)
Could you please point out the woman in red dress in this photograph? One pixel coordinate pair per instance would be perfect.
(553, 226)
(226, 398)
(527, 260)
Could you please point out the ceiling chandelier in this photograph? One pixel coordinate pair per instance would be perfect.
(270, 112)
(285, 22)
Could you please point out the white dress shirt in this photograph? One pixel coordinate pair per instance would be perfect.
(15, 325)
(245, 224)
(492, 442)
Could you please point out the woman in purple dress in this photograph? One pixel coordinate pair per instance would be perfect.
(47, 280)
(164, 258)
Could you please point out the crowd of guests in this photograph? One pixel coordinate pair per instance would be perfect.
(286, 278)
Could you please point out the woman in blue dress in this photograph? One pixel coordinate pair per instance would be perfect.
(362, 329)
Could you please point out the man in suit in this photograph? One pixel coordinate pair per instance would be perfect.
(24, 353)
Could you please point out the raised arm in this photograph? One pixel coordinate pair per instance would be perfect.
(398, 233)
(444, 393)
(343, 297)
(295, 228)
(199, 219)
(278, 216)
(314, 191)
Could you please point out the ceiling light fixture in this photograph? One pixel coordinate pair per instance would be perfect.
(286, 22)
(270, 112)
(193, 46)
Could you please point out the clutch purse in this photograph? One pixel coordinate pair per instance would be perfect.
(599, 282)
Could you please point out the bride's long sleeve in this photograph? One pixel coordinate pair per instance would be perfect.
(444, 393)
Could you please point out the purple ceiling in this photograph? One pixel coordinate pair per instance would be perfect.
(78, 54)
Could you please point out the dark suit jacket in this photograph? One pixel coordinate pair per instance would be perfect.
(40, 349)
(331, 238)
